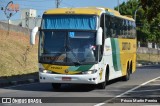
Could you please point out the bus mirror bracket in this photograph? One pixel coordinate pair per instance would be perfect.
(99, 36)
(33, 35)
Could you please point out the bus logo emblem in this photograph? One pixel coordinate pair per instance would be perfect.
(66, 71)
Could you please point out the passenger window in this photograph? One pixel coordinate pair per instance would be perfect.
(108, 25)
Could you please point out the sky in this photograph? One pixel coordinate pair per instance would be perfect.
(42, 5)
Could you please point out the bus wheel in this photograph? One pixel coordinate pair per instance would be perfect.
(127, 76)
(56, 86)
(103, 84)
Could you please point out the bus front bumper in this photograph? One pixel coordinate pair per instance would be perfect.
(61, 78)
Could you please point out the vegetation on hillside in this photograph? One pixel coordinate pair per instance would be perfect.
(17, 57)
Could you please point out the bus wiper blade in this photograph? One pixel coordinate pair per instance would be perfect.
(77, 63)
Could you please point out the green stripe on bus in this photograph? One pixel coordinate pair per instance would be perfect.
(84, 68)
(116, 54)
(73, 68)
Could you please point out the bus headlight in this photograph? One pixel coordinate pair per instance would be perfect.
(89, 72)
(45, 71)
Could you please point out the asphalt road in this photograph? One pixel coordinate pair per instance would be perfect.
(144, 83)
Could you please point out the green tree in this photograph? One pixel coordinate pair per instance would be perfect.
(129, 8)
(147, 31)
(151, 8)
(143, 27)
(155, 29)
(152, 13)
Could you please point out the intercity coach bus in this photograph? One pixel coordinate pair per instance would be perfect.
(89, 45)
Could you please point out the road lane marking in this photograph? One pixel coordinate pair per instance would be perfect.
(147, 90)
(157, 81)
(131, 90)
(150, 105)
(137, 87)
(99, 104)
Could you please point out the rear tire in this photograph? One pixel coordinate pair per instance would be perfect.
(56, 86)
(127, 76)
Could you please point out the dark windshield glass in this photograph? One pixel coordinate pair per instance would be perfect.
(83, 45)
(54, 42)
(67, 47)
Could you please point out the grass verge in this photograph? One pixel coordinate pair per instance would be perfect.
(17, 57)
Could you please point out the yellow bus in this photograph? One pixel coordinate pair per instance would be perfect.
(89, 45)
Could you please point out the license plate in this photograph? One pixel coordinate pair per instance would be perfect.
(66, 78)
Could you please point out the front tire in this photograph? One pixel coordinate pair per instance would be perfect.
(102, 85)
(56, 86)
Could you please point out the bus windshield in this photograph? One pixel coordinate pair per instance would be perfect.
(67, 46)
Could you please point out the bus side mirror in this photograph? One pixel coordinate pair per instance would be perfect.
(99, 36)
(33, 35)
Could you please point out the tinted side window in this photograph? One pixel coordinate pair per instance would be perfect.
(119, 28)
(108, 25)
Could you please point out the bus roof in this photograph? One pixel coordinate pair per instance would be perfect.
(87, 11)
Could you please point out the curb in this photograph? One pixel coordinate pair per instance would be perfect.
(147, 64)
(18, 79)
(12, 83)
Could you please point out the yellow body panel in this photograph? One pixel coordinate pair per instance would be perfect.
(127, 53)
(92, 11)
(86, 10)
(58, 69)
